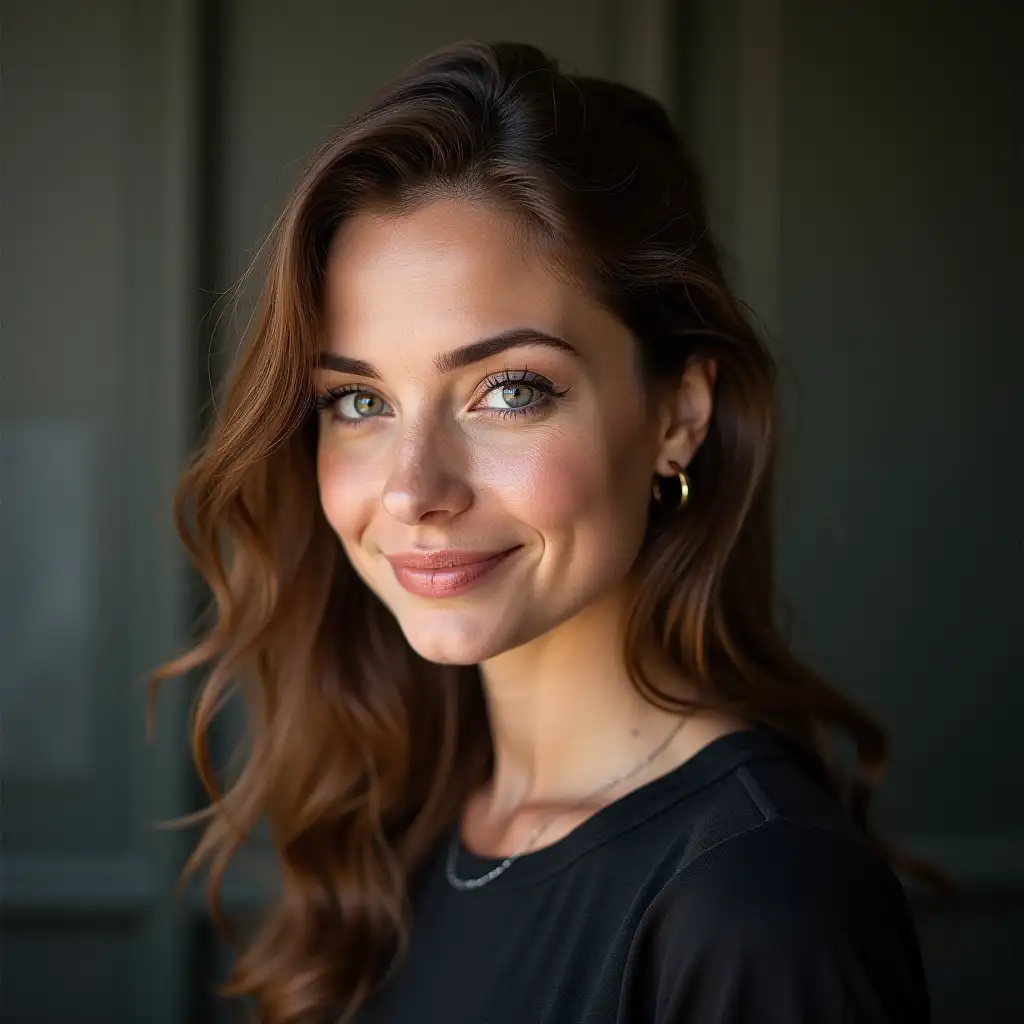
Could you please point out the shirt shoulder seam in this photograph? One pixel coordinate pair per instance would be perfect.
(758, 796)
(687, 866)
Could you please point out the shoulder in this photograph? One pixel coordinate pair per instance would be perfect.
(782, 875)
(783, 914)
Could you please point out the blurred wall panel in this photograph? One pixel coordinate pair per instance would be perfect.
(901, 164)
(866, 162)
(98, 345)
(901, 168)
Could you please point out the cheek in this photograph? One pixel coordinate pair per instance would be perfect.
(345, 491)
(565, 477)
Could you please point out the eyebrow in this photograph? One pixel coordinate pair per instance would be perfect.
(457, 358)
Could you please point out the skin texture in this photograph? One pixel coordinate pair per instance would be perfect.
(425, 459)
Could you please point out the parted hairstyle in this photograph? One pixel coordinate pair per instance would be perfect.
(359, 753)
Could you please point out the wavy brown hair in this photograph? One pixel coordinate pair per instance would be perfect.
(360, 753)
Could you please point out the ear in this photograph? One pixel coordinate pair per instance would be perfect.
(686, 415)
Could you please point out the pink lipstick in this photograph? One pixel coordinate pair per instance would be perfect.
(444, 573)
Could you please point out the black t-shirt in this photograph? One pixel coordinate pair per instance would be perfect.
(728, 891)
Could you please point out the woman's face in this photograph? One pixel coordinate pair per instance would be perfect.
(487, 408)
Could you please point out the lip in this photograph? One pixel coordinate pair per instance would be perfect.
(444, 572)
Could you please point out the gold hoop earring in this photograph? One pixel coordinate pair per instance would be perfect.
(684, 490)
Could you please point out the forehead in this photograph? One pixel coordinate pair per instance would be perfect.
(439, 273)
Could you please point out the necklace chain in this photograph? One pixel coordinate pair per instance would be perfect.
(475, 883)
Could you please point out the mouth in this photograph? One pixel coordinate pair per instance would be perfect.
(445, 573)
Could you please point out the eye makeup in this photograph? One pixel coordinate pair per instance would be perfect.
(507, 384)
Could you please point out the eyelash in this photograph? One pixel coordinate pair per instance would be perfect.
(548, 392)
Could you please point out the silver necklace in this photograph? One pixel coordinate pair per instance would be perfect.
(475, 883)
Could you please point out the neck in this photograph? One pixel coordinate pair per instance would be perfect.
(565, 717)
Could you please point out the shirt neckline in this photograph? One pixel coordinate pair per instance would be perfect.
(715, 759)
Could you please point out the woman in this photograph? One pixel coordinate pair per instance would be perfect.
(486, 515)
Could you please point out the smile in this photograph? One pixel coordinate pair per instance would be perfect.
(444, 574)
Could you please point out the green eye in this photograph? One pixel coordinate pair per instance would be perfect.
(351, 404)
(515, 396)
(364, 403)
(519, 393)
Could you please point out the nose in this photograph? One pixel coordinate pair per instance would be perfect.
(427, 477)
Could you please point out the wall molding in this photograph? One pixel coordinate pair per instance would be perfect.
(641, 47)
(758, 117)
(979, 864)
(69, 885)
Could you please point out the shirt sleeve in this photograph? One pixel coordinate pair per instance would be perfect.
(783, 924)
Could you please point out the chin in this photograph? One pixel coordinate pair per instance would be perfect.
(454, 643)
